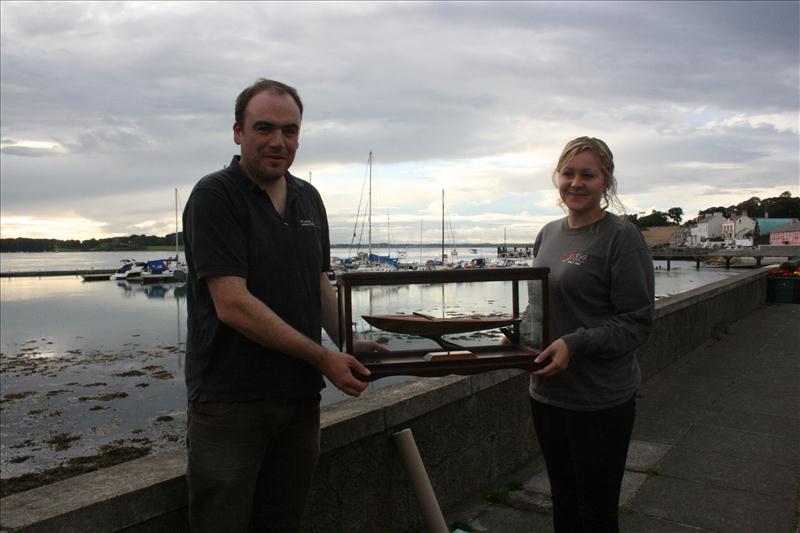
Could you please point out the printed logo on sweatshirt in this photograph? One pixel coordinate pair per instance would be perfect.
(574, 258)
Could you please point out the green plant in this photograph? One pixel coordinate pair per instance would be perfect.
(515, 485)
(498, 497)
(625, 510)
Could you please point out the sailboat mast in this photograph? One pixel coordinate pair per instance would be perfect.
(176, 223)
(420, 241)
(369, 246)
(442, 226)
(388, 237)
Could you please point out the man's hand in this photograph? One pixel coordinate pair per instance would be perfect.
(558, 353)
(336, 366)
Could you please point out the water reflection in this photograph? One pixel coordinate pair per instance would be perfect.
(158, 290)
(88, 366)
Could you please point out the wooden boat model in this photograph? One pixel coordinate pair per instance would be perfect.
(429, 326)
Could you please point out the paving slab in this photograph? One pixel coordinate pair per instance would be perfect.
(761, 423)
(747, 445)
(760, 404)
(713, 507)
(640, 523)
(659, 429)
(643, 456)
(732, 472)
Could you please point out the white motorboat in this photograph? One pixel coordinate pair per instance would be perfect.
(130, 269)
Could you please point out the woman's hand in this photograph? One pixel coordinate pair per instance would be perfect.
(558, 353)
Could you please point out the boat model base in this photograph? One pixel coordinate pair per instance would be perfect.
(414, 362)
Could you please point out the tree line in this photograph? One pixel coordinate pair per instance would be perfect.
(111, 244)
(783, 206)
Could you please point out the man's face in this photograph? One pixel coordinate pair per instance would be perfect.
(269, 136)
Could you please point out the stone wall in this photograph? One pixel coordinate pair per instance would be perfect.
(470, 430)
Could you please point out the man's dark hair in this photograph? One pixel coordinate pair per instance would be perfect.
(260, 86)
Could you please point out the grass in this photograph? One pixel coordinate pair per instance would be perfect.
(502, 496)
(625, 510)
(498, 497)
(515, 485)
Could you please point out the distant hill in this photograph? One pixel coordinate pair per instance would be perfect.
(657, 234)
(112, 244)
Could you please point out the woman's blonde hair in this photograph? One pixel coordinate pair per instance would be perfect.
(605, 159)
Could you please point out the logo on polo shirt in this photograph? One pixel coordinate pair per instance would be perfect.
(307, 222)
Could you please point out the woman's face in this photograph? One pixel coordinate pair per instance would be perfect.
(581, 184)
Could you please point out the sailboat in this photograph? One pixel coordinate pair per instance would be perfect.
(368, 261)
(443, 262)
(169, 269)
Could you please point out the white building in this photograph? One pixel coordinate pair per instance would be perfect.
(710, 227)
(736, 231)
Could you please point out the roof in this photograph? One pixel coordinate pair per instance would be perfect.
(768, 225)
(791, 226)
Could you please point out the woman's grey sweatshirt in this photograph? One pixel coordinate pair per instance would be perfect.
(601, 286)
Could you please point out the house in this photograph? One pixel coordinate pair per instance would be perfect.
(709, 227)
(786, 234)
(738, 231)
(679, 237)
(765, 226)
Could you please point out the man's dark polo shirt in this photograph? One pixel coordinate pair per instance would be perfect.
(231, 229)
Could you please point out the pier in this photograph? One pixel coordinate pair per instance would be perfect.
(56, 273)
(699, 255)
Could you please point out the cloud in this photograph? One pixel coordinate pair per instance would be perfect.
(471, 97)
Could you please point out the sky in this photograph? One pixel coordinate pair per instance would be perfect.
(106, 109)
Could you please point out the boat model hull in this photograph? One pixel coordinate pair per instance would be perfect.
(424, 325)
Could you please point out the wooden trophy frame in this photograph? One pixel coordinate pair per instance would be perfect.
(422, 362)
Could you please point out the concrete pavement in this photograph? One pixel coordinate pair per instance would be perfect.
(715, 445)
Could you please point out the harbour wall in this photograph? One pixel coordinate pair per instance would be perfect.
(470, 430)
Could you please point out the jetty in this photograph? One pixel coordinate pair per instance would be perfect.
(699, 255)
(56, 273)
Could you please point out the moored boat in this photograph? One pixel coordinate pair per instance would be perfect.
(96, 277)
(163, 270)
(129, 270)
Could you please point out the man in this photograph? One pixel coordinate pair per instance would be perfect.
(257, 248)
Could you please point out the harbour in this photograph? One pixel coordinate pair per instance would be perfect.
(88, 367)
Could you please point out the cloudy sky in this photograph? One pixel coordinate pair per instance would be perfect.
(107, 107)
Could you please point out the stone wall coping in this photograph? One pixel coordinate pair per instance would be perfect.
(674, 303)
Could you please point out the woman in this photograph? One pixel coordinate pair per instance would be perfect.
(601, 310)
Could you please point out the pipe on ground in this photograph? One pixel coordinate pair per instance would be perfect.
(412, 462)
